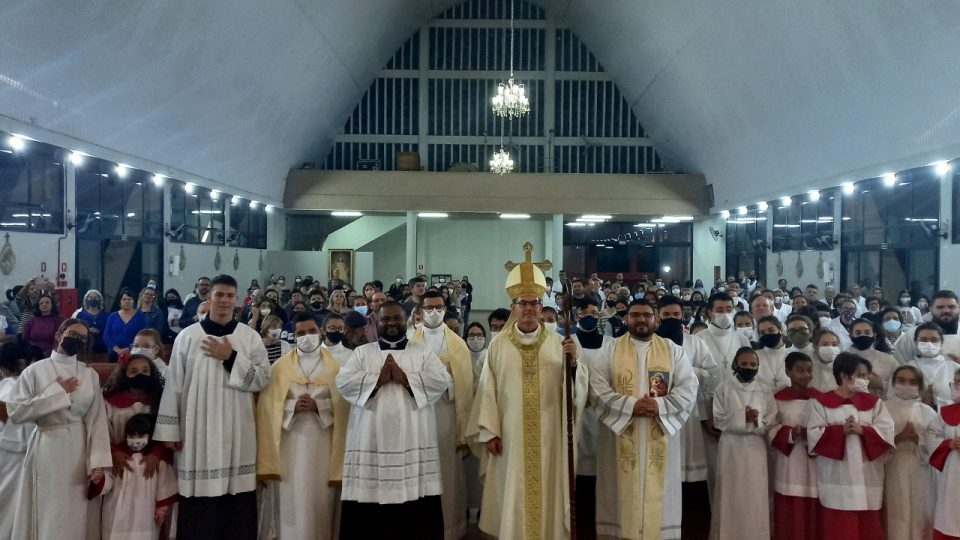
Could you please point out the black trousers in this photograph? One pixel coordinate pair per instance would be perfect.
(586, 499)
(227, 517)
(421, 519)
(696, 511)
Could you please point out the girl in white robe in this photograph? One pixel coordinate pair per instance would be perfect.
(943, 445)
(13, 437)
(134, 506)
(938, 370)
(772, 354)
(908, 479)
(826, 347)
(864, 345)
(851, 433)
(70, 447)
(741, 506)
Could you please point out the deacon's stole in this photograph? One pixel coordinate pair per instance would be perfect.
(640, 512)
(529, 355)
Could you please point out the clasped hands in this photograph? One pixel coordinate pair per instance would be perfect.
(646, 406)
(850, 425)
(391, 373)
(305, 403)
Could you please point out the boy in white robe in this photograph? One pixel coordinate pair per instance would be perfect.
(943, 445)
(14, 357)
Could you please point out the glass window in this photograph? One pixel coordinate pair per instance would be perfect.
(196, 217)
(638, 252)
(109, 206)
(248, 226)
(32, 188)
(747, 243)
(804, 224)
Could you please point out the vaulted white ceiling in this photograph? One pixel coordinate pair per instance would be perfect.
(764, 98)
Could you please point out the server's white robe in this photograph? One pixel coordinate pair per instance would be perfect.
(772, 368)
(130, 501)
(693, 455)
(13, 450)
(905, 349)
(937, 377)
(944, 428)
(908, 478)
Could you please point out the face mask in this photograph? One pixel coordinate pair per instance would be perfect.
(622, 313)
(685, 298)
(745, 375)
(139, 382)
(432, 319)
(675, 291)
(825, 321)
(475, 344)
(671, 329)
(152, 286)
(611, 303)
(722, 320)
(771, 341)
(892, 325)
(922, 305)
(928, 350)
(798, 339)
(906, 391)
(317, 306)
(265, 312)
(274, 333)
(334, 337)
(137, 443)
(281, 282)
(493, 333)
(747, 332)
(73, 346)
(904, 300)
(862, 343)
(659, 284)
(94, 303)
(551, 326)
(308, 342)
(828, 354)
(588, 323)
(361, 310)
(847, 315)
(149, 352)
(721, 289)
(861, 385)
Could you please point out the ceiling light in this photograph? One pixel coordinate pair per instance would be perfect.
(941, 168)
(268, 208)
(590, 220)
(786, 201)
(814, 195)
(742, 210)
(214, 195)
(889, 179)
(131, 214)
(235, 200)
(645, 225)
(576, 224)
(122, 170)
(76, 158)
(346, 213)
(847, 188)
(601, 245)
(158, 180)
(253, 205)
(16, 142)
(596, 216)
(514, 216)
(432, 214)
(189, 187)
(762, 206)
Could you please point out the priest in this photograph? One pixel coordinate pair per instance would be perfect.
(301, 433)
(645, 389)
(391, 473)
(453, 410)
(519, 415)
(207, 416)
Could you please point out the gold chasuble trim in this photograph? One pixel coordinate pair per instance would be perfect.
(529, 355)
(640, 514)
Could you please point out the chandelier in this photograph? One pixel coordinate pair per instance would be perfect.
(511, 99)
(501, 163)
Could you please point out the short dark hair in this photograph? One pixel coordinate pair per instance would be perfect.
(642, 302)
(586, 301)
(450, 314)
(12, 352)
(224, 279)
(846, 364)
(945, 293)
(475, 324)
(812, 286)
(770, 319)
(53, 305)
(916, 371)
(433, 293)
(929, 325)
(301, 316)
(793, 358)
(548, 308)
(332, 316)
(414, 280)
(669, 300)
(741, 351)
(698, 324)
(802, 318)
(139, 424)
(499, 314)
(718, 297)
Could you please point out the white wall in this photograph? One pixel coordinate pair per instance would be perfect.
(31, 249)
(708, 252)
(389, 255)
(809, 259)
(200, 263)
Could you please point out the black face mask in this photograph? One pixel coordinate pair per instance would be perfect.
(862, 343)
(744, 375)
(611, 303)
(770, 341)
(316, 305)
(139, 382)
(334, 337)
(622, 313)
(73, 346)
(671, 329)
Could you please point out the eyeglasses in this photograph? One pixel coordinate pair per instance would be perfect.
(527, 303)
(75, 335)
(432, 309)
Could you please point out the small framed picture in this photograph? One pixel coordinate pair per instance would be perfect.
(341, 265)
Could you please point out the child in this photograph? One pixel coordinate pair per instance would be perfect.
(938, 370)
(849, 431)
(741, 506)
(908, 479)
(147, 343)
(795, 472)
(826, 347)
(772, 353)
(14, 357)
(943, 443)
(135, 507)
(134, 387)
(743, 322)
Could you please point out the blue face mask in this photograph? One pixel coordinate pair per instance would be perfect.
(588, 322)
(361, 310)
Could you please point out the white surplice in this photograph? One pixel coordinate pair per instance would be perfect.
(131, 500)
(772, 368)
(210, 411)
(117, 418)
(946, 517)
(391, 455)
(742, 480)
(616, 414)
(882, 364)
(794, 475)
(908, 478)
(13, 450)
(692, 456)
(70, 439)
(823, 379)
(339, 351)
(937, 376)
(587, 444)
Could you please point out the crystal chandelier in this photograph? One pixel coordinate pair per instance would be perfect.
(511, 99)
(501, 163)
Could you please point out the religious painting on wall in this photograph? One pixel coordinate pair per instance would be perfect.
(341, 265)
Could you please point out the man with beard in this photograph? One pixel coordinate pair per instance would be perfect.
(946, 313)
(391, 472)
(693, 462)
(645, 389)
(354, 333)
(189, 315)
(452, 410)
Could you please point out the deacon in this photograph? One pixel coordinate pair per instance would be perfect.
(301, 433)
(645, 389)
(391, 470)
(519, 413)
(207, 416)
(453, 410)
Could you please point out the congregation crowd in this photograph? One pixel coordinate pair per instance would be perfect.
(319, 410)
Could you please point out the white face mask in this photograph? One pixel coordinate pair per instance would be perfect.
(145, 351)
(748, 333)
(722, 320)
(274, 333)
(265, 312)
(475, 343)
(906, 391)
(828, 354)
(861, 385)
(137, 443)
(551, 326)
(825, 321)
(308, 342)
(928, 350)
(674, 291)
(432, 319)
(493, 333)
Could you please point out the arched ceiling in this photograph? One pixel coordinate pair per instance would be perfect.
(763, 98)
